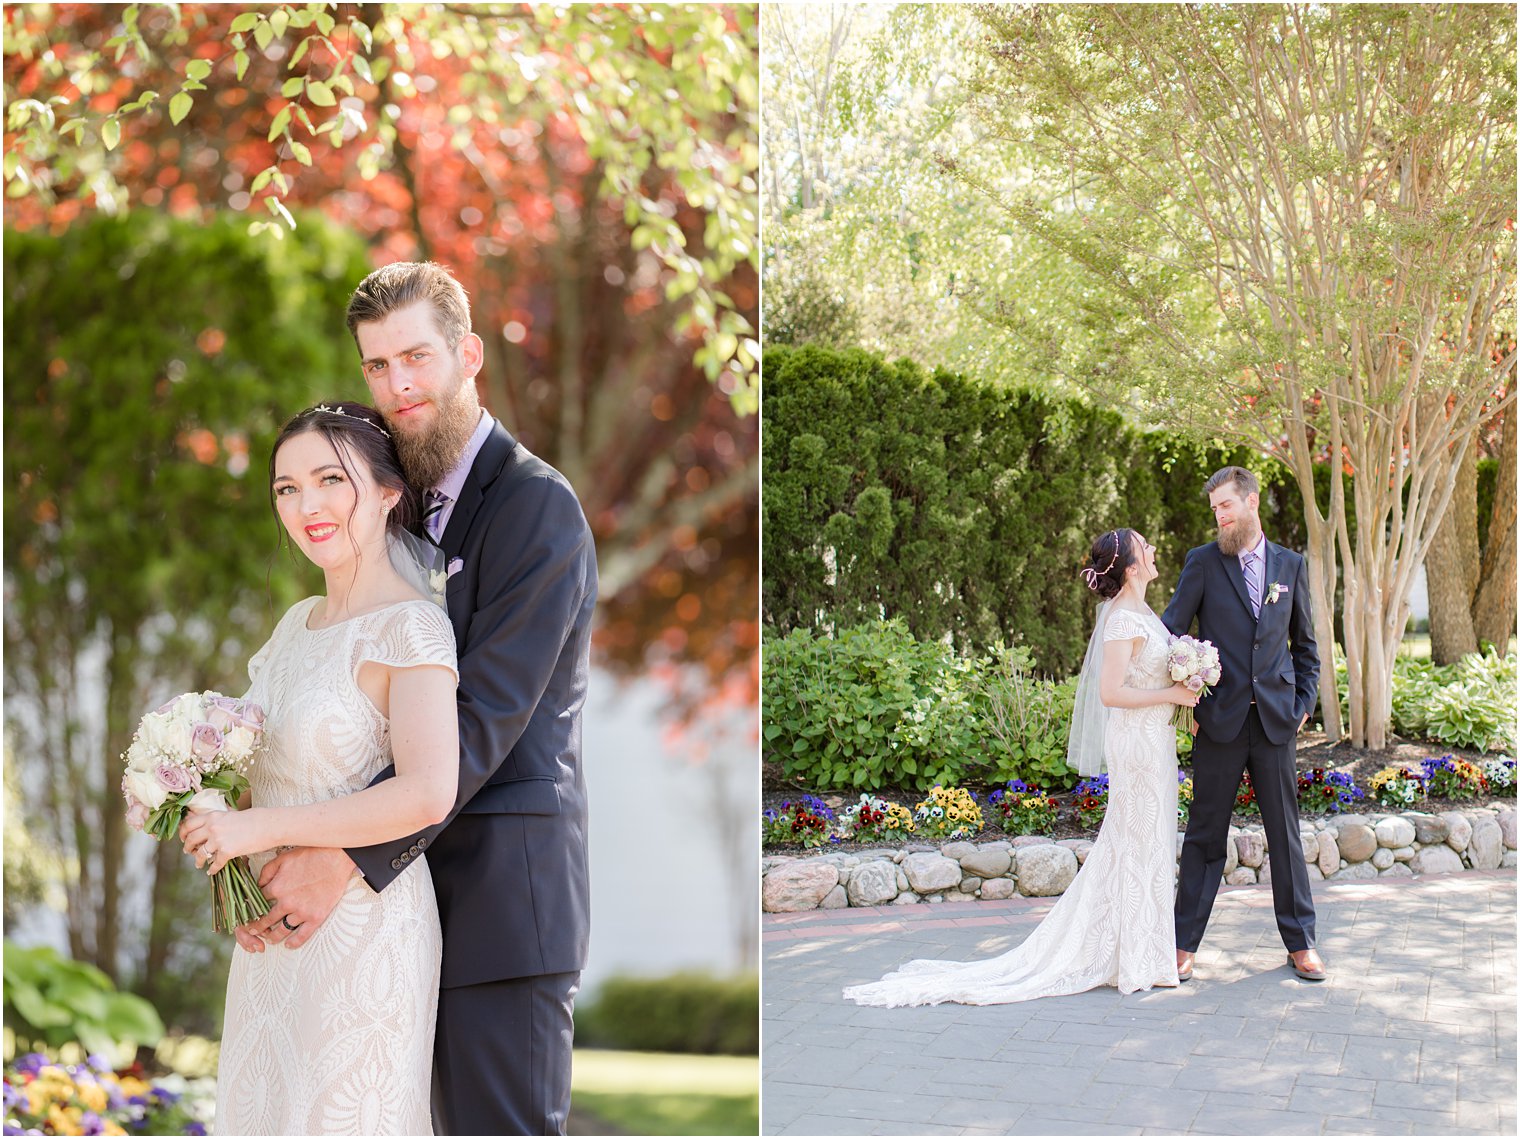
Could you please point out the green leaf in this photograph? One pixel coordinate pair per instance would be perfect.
(110, 133)
(300, 53)
(263, 35)
(302, 154)
(198, 68)
(245, 21)
(179, 107)
(261, 179)
(279, 20)
(292, 86)
(320, 94)
(281, 121)
(241, 60)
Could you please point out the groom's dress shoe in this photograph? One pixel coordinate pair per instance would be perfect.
(1307, 965)
(1184, 966)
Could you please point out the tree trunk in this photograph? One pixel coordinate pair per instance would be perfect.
(1451, 569)
(1494, 605)
(1321, 557)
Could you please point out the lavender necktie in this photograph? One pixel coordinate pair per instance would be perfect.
(432, 517)
(1250, 562)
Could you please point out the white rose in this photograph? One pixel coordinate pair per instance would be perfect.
(140, 756)
(145, 788)
(188, 711)
(208, 800)
(237, 744)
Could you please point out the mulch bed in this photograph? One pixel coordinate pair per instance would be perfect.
(1313, 751)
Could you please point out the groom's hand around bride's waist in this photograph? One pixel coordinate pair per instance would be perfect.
(303, 886)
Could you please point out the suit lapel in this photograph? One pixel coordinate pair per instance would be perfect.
(1237, 578)
(489, 463)
(1271, 563)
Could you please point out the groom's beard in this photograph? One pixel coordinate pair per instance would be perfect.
(1241, 536)
(428, 456)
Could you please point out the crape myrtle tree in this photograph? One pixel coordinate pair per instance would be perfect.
(1295, 226)
(588, 172)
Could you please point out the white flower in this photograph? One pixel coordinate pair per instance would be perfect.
(145, 788)
(208, 800)
(140, 756)
(437, 581)
(238, 744)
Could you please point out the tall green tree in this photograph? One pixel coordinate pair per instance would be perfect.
(1295, 229)
(148, 365)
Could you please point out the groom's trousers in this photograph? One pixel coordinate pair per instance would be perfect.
(1216, 780)
(502, 1057)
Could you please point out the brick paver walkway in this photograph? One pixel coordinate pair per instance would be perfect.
(1414, 1033)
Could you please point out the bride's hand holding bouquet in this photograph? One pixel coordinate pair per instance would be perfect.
(190, 758)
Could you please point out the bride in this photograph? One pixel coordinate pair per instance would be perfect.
(337, 1037)
(1114, 925)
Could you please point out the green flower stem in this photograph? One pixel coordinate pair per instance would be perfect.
(235, 896)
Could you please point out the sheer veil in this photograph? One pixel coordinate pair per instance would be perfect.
(420, 564)
(1089, 717)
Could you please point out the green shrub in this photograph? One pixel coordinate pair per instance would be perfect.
(52, 1001)
(1470, 704)
(683, 1012)
(876, 707)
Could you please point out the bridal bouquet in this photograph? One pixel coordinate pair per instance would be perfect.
(1195, 665)
(192, 755)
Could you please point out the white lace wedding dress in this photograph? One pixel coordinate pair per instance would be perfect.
(336, 1037)
(1113, 925)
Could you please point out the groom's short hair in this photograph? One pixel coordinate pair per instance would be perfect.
(1245, 482)
(403, 283)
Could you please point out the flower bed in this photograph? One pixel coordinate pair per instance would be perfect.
(45, 1097)
(1336, 847)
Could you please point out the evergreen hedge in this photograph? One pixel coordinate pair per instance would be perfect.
(966, 509)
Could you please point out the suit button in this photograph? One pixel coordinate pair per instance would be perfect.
(1253, 680)
(1257, 645)
(397, 864)
(422, 843)
(415, 852)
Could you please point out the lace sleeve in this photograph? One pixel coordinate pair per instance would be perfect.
(1124, 626)
(298, 611)
(407, 636)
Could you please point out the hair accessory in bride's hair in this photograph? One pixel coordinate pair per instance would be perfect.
(1091, 575)
(359, 418)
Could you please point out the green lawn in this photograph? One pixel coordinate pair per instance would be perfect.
(657, 1093)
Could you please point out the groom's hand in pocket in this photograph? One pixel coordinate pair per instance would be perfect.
(303, 885)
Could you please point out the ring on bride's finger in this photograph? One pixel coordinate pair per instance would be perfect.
(285, 921)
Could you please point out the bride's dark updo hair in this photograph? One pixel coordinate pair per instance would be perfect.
(1112, 553)
(356, 429)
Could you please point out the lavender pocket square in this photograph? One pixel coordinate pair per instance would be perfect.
(455, 565)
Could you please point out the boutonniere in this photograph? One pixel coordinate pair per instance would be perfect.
(1275, 591)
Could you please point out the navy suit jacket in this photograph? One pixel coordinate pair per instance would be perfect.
(1271, 659)
(509, 863)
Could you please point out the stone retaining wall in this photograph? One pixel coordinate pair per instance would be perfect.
(1337, 847)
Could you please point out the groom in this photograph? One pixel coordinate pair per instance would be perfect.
(509, 864)
(1251, 599)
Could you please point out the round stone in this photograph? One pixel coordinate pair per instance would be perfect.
(1507, 828)
(1329, 859)
(958, 850)
(970, 884)
(1508, 861)
(996, 889)
(1397, 870)
(1486, 848)
(987, 863)
(1355, 870)
(1315, 874)
(902, 880)
(1428, 829)
(905, 900)
(1252, 847)
(835, 899)
(1231, 853)
(1045, 871)
(797, 886)
(1382, 858)
(1403, 853)
(1438, 859)
(1356, 842)
(1308, 841)
(874, 884)
(1394, 832)
(1459, 830)
(1241, 876)
(927, 872)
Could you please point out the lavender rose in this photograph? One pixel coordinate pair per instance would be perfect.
(205, 741)
(174, 779)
